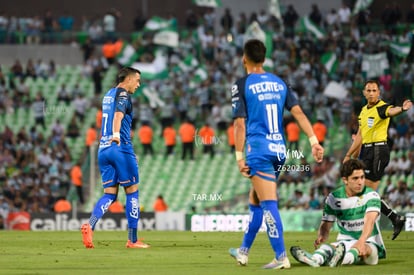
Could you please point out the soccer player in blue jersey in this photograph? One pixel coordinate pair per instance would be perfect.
(258, 101)
(116, 157)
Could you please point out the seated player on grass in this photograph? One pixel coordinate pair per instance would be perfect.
(356, 209)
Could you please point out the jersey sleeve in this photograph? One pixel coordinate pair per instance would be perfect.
(121, 101)
(374, 202)
(383, 110)
(291, 99)
(329, 214)
(238, 101)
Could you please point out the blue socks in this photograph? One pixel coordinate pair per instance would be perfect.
(132, 215)
(274, 228)
(100, 208)
(256, 219)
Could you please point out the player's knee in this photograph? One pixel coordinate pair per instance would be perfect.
(372, 258)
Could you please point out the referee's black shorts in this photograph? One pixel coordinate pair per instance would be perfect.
(376, 157)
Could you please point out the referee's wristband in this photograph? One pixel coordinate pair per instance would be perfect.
(313, 141)
(239, 155)
(116, 135)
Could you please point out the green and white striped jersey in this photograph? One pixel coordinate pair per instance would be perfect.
(349, 214)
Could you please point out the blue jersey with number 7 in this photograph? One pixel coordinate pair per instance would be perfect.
(261, 99)
(116, 100)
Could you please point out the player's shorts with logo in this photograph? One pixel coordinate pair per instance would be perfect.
(262, 162)
(118, 164)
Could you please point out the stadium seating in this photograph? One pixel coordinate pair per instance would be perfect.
(204, 183)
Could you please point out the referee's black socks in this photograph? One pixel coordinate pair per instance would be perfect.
(387, 211)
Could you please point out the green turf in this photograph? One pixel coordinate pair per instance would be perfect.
(172, 253)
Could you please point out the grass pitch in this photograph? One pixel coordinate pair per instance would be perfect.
(172, 253)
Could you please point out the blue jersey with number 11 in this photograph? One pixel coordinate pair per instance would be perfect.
(116, 100)
(261, 99)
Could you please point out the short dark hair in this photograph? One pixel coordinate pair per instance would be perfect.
(124, 72)
(255, 50)
(350, 165)
(371, 81)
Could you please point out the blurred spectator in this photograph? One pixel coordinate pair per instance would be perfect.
(76, 90)
(38, 107)
(293, 134)
(64, 94)
(98, 119)
(33, 30)
(169, 135)
(77, 180)
(298, 200)
(116, 207)
(49, 27)
(109, 50)
(314, 203)
(62, 205)
(95, 33)
(400, 196)
(42, 69)
(30, 69)
(145, 135)
(320, 130)
(87, 49)
(344, 14)
(226, 20)
(109, 23)
(388, 189)
(58, 130)
(17, 69)
(290, 17)
(403, 165)
(187, 134)
(159, 204)
(97, 79)
(167, 114)
(73, 128)
(81, 104)
(207, 136)
(315, 15)
(325, 174)
(139, 21)
(332, 19)
(91, 136)
(65, 22)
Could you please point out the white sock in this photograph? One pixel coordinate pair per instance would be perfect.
(351, 256)
(318, 258)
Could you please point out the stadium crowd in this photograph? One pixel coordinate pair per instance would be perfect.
(35, 169)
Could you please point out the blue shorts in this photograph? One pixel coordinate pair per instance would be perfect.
(267, 167)
(118, 165)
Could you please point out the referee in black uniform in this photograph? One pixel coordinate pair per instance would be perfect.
(371, 142)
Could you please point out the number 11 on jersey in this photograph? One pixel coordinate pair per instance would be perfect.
(271, 112)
